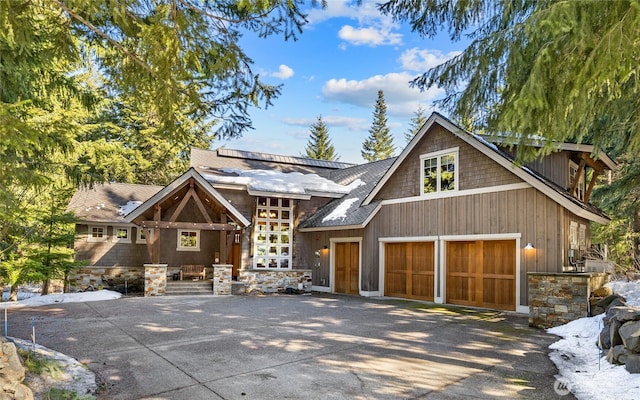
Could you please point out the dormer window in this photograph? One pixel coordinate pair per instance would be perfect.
(573, 173)
(439, 171)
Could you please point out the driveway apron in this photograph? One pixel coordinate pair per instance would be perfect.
(316, 346)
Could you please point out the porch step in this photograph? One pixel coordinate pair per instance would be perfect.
(189, 287)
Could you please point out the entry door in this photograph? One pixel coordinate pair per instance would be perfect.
(347, 265)
(482, 273)
(408, 270)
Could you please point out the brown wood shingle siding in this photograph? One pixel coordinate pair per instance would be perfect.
(475, 169)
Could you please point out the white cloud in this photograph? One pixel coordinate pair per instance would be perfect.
(284, 72)
(421, 60)
(370, 36)
(351, 123)
(400, 98)
(345, 9)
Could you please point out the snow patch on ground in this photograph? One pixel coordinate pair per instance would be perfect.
(37, 300)
(582, 367)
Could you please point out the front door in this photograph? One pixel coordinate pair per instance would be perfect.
(347, 267)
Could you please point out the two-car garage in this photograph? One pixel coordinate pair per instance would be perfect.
(479, 273)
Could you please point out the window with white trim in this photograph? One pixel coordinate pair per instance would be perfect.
(439, 171)
(580, 189)
(188, 240)
(121, 234)
(582, 237)
(141, 237)
(272, 235)
(97, 233)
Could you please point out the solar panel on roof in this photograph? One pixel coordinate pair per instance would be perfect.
(282, 159)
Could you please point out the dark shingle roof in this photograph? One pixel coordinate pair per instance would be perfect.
(347, 210)
(104, 203)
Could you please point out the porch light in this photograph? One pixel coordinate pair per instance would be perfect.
(529, 246)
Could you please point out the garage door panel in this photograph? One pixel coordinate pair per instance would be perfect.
(409, 270)
(481, 273)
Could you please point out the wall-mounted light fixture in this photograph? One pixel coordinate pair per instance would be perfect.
(529, 246)
(325, 247)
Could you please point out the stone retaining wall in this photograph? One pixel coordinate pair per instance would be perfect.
(83, 278)
(558, 298)
(270, 281)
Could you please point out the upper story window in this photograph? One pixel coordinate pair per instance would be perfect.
(439, 171)
(121, 234)
(188, 240)
(272, 236)
(573, 172)
(97, 234)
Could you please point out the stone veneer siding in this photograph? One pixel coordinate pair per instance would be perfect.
(222, 279)
(155, 279)
(558, 298)
(269, 281)
(82, 278)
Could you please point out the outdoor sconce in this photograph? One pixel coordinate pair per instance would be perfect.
(325, 247)
(529, 246)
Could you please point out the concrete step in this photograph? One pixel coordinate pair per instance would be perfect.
(177, 288)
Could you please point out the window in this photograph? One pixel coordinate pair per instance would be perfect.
(141, 239)
(272, 233)
(438, 171)
(580, 189)
(121, 234)
(97, 234)
(188, 240)
(582, 237)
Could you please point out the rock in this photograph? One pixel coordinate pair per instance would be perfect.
(614, 300)
(630, 335)
(614, 333)
(12, 374)
(618, 355)
(632, 364)
(604, 340)
(624, 314)
(604, 291)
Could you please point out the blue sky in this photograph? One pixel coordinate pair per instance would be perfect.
(335, 69)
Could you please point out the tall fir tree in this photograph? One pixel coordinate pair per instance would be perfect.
(319, 145)
(418, 119)
(379, 144)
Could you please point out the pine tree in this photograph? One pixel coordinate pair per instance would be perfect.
(418, 119)
(379, 144)
(319, 145)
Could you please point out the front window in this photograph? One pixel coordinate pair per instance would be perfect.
(188, 240)
(97, 234)
(142, 235)
(573, 175)
(121, 234)
(439, 171)
(272, 233)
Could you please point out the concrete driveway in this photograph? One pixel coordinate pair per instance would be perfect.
(296, 347)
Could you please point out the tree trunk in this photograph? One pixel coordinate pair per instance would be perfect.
(45, 287)
(635, 240)
(13, 295)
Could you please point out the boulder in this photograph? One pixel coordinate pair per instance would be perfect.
(604, 291)
(604, 340)
(624, 314)
(630, 335)
(632, 363)
(614, 333)
(618, 355)
(12, 374)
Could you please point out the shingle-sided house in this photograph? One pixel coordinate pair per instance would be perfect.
(452, 219)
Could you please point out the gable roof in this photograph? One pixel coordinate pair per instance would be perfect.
(179, 183)
(109, 202)
(551, 190)
(348, 212)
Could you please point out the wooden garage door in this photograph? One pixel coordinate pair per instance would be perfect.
(409, 270)
(482, 273)
(347, 264)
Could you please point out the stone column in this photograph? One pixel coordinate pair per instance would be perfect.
(155, 279)
(222, 279)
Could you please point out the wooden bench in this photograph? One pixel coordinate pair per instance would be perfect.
(192, 271)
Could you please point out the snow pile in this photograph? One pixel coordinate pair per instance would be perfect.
(127, 208)
(340, 212)
(282, 182)
(36, 301)
(582, 367)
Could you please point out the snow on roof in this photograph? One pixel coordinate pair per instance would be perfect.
(281, 182)
(340, 212)
(127, 208)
